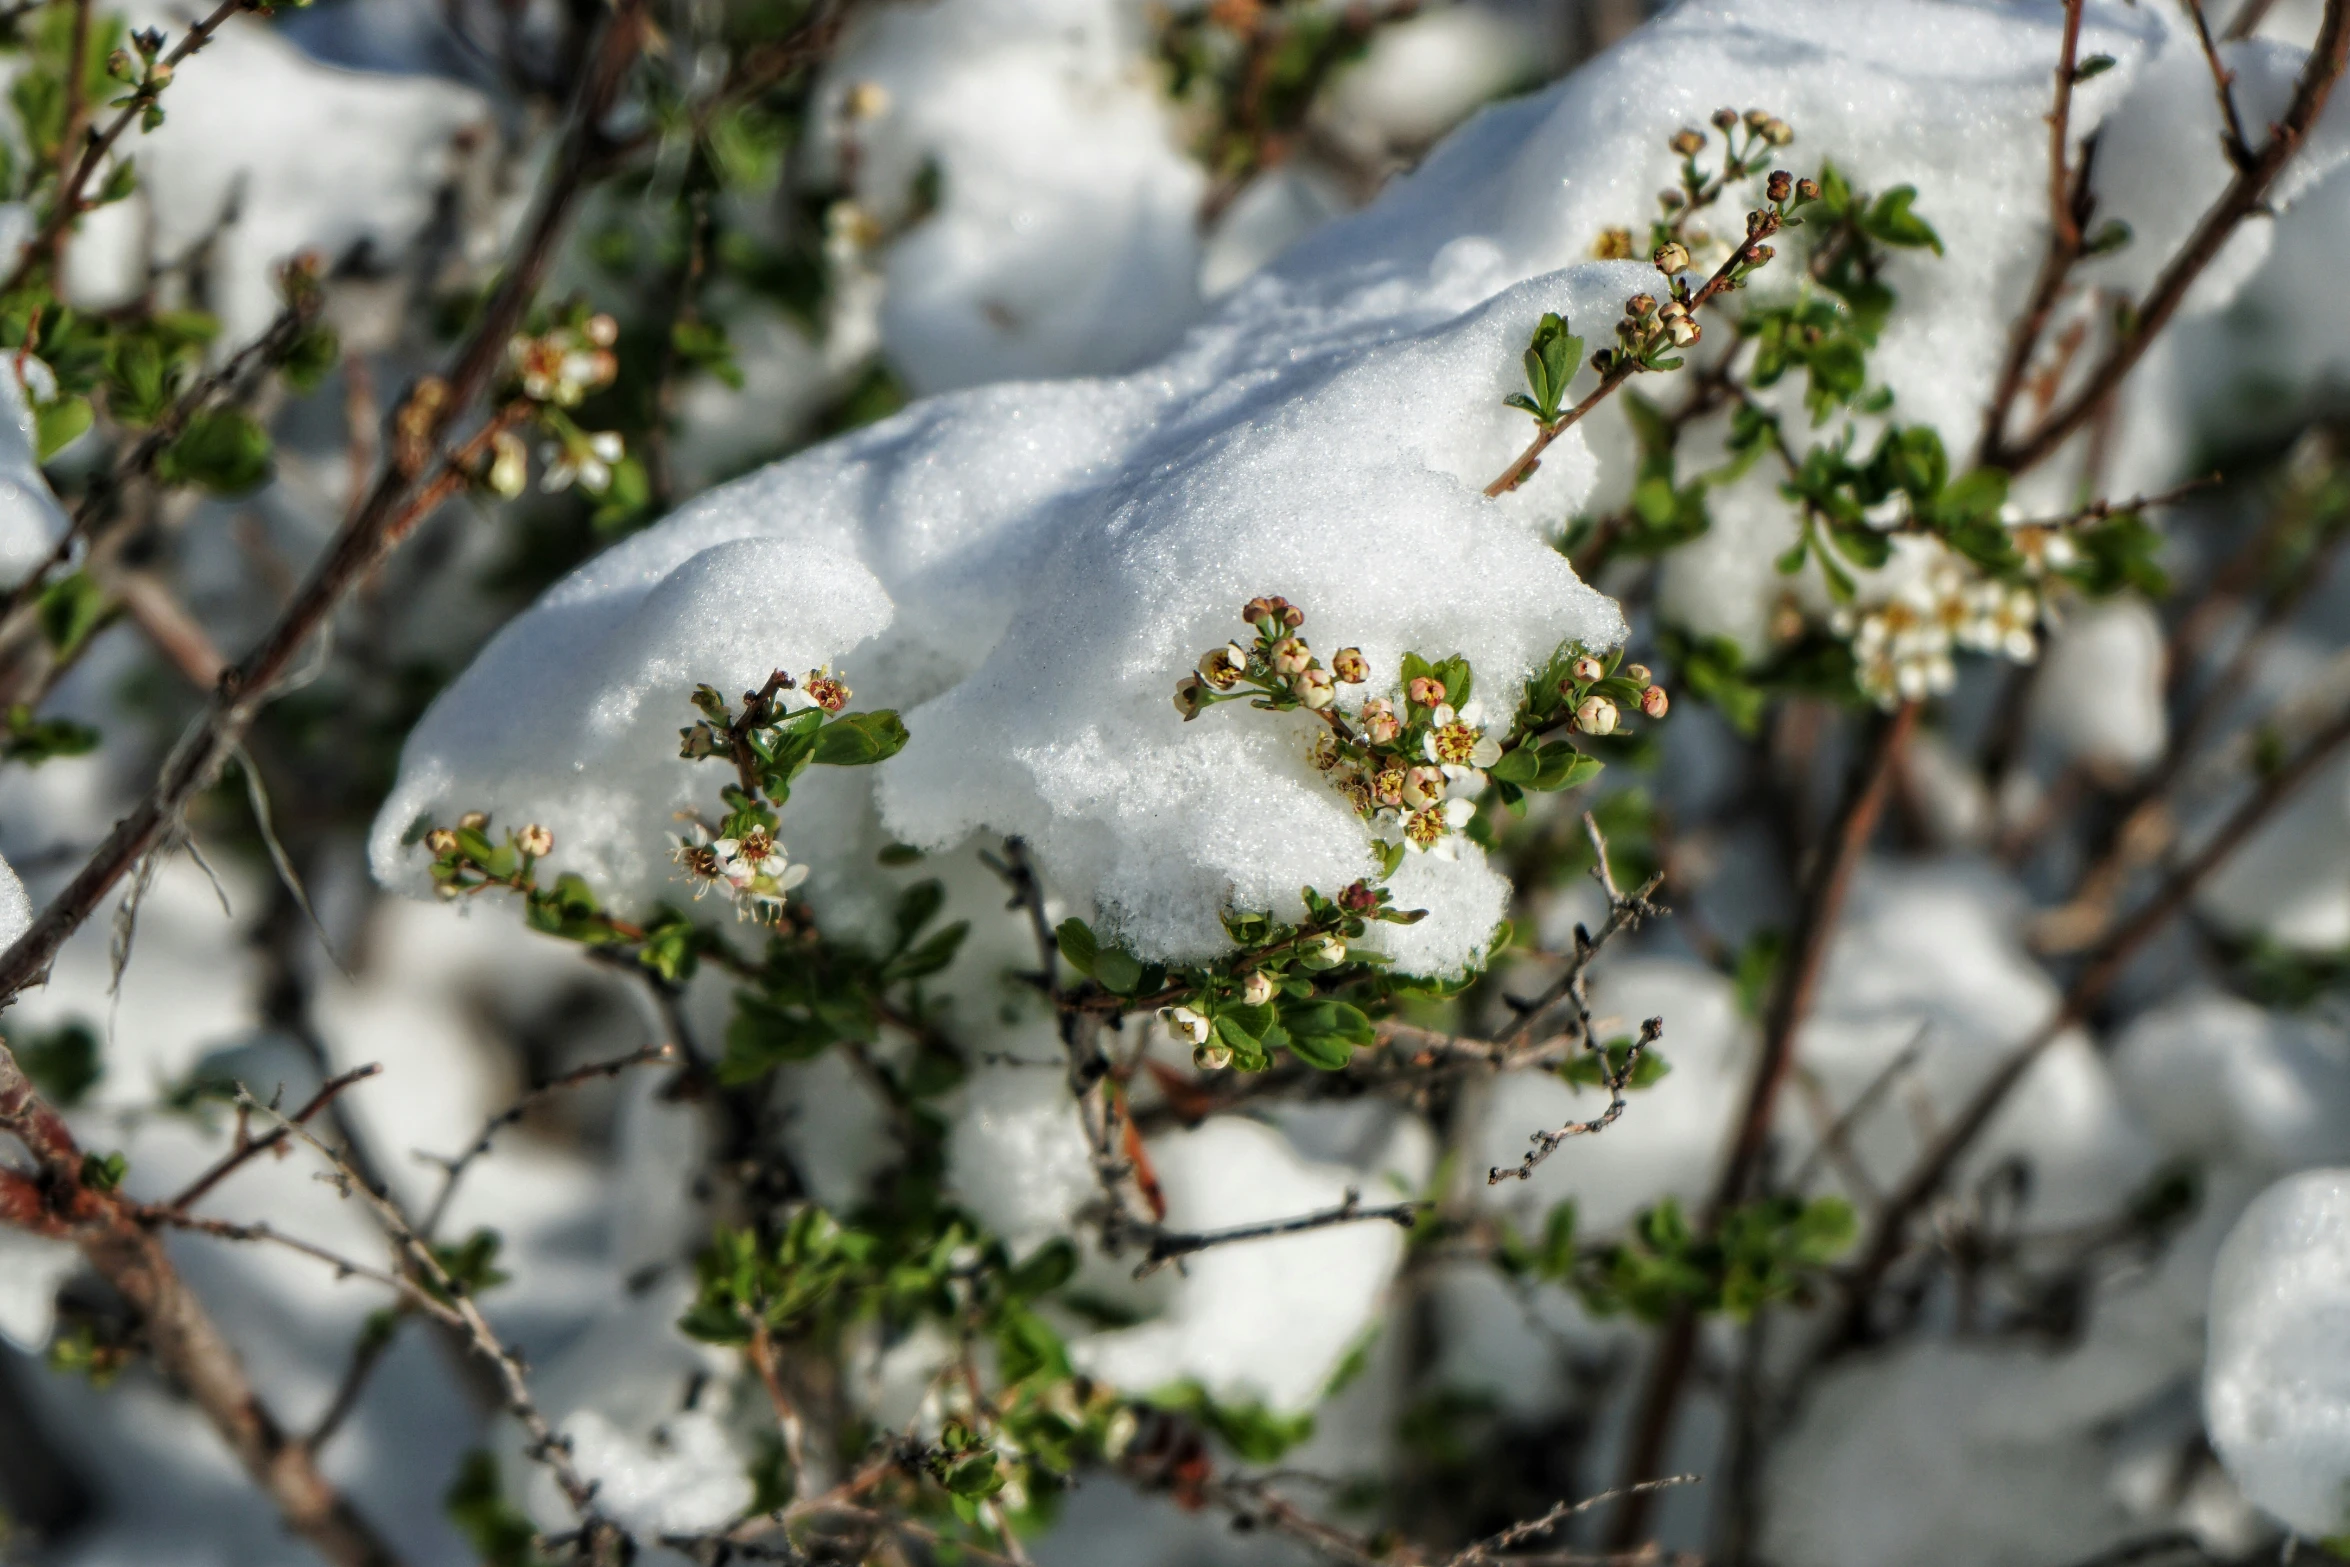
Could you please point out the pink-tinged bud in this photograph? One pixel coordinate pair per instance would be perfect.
(1777, 132)
(1324, 951)
(535, 841)
(1257, 609)
(1684, 331)
(1426, 692)
(1597, 716)
(1358, 898)
(1211, 1058)
(1257, 988)
(1780, 185)
(1654, 702)
(1638, 674)
(1315, 688)
(1807, 190)
(1588, 669)
(1380, 725)
(1349, 665)
(1290, 656)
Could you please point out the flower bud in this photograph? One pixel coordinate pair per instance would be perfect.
(1639, 305)
(1756, 119)
(1349, 665)
(1683, 331)
(441, 841)
(1654, 702)
(509, 464)
(1671, 258)
(1315, 688)
(1190, 696)
(1780, 185)
(1423, 787)
(1380, 724)
(1426, 692)
(1597, 716)
(1290, 656)
(475, 820)
(1358, 898)
(1670, 200)
(1725, 119)
(1687, 141)
(535, 841)
(1638, 674)
(1761, 254)
(1257, 988)
(1588, 669)
(1257, 609)
(1807, 190)
(1777, 132)
(1211, 1058)
(1324, 951)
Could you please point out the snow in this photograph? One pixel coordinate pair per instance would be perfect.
(2276, 1390)
(2099, 698)
(281, 154)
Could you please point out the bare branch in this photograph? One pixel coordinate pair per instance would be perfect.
(1168, 1245)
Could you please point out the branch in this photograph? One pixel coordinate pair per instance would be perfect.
(1519, 1533)
(1823, 908)
(393, 507)
(2245, 197)
(1547, 1143)
(249, 1148)
(1167, 1245)
(453, 1170)
(1624, 369)
(2103, 968)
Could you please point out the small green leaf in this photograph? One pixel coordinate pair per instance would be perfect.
(69, 609)
(2095, 65)
(223, 449)
(1079, 948)
(860, 739)
(56, 425)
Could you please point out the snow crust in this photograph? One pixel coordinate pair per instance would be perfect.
(2276, 1390)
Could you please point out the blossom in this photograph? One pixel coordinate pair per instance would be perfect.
(825, 689)
(1423, 786)
(755, 866)
(1326, 950)
(1315, 688)
(698, 857)
(1380, 725)
(587, 462)
(1290, 656)
(535, 841)
(1190, 696)
(1387, 785)
(1654, 702)
(1430, 829)
(1596, 716)
(2001, 619)
(1461, 745)
(1349, 665)
(1425, 692)
(1222, 667)
(1186, 1024)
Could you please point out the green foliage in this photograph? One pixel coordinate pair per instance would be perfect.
(1552, 358)
(1254, 1433)
(225, 450)
(471, 1264)
(1597, 1068)
(500, 1533)
(1761, 1252)
(32, 741)
(811, 993)
(103, 1172)
(63, 1062)
(69, 609)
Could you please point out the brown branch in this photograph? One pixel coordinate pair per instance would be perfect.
(393, 507)
(1823, 908)
(249, 1148)
(2223, 83)
(69, 204)
(185, 1344)
(1518, 1534)
(77, 65)
(2245, 197)
(453, 1169)
(1617, 1077)
(1168, 1245)
(2104, 967)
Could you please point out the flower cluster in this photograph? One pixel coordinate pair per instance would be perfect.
(1902, 649)
(1277, 669)
(554, 371)
(465, 860)
(748, 861)
(1414, 763)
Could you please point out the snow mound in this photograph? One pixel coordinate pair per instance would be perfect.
(2276, 1386)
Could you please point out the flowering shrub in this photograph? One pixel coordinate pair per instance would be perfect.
(1800, 733)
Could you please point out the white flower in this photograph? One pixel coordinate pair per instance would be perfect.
(1185, 1024)
(1257, 988)
(1327, 950)
(1461, 745)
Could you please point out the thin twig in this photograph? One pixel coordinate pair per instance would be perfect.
(453, 1169)
(1519, 1533)
(1168, 1245)
(249, 1148)
(2223, 84)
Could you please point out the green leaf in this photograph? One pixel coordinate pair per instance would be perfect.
(69, 609)
(860, 739)
(1889, 221)
(2095, 65)
(223, 449)
(1078, 946)
(63, 1062)
(930, 956)
(33, 741)
(501, 1535)
(57, 424)
(103, 1172)
(917, 906)
(2111, 235)
(1517, 766)
(1118, 971)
